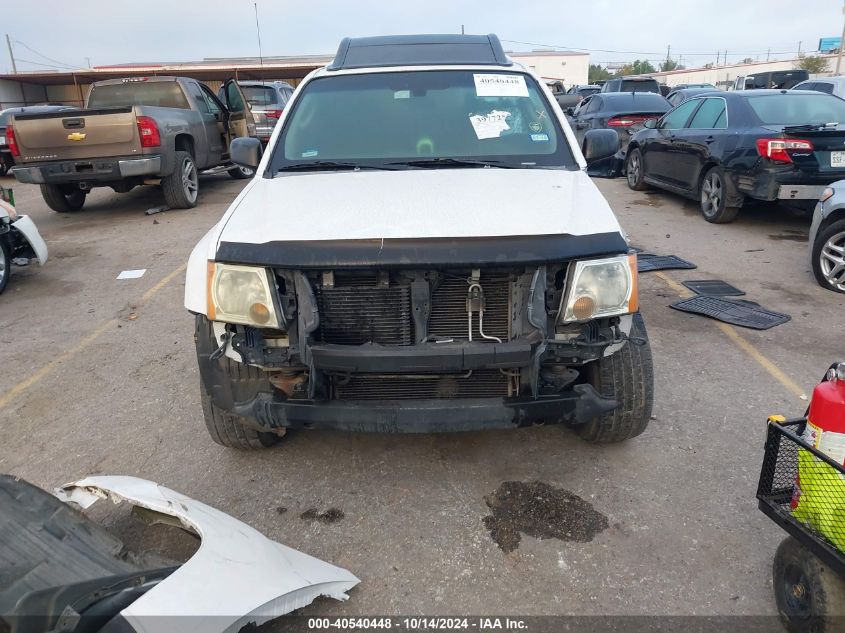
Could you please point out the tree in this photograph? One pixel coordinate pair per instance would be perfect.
(598, 73)
(813, 64)
(638, 67)
(669, 64)
(748, 60)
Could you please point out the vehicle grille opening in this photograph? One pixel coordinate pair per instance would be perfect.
(449, 311)
(480, 383)
(353, 315)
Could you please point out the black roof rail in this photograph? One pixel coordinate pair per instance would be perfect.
(419, 50)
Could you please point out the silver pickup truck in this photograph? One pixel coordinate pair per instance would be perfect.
(143, 130)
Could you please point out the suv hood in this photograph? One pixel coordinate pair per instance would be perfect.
(417, 203)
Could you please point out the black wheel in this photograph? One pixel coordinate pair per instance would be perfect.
(63, 199)
(714, 195)
(627, 377)
(810, 597)
(5, 263)
(225, 428)
(634, 169)
(180, 188)
(829, 257)
(241, 173)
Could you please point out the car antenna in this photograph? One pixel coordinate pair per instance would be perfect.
(258, 31)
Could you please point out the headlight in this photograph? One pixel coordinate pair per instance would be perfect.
(241, 294)
(827, 194)
(601, 288)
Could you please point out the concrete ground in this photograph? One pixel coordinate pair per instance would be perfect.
(99, 376)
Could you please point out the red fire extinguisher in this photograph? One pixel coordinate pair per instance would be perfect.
(826, 416)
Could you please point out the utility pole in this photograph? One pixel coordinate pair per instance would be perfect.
(462, 29)
(11, 54)
(88, 61)
(768, 52)
(668, 57)
(839, 56)
(717, 58)
(799, 49)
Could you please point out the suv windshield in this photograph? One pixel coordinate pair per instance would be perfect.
(639, 85)
(166, 94)
(798, 109)
(413, 119)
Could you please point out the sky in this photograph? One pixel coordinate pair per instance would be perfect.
(116, 31)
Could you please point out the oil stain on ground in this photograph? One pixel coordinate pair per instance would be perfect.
(332, 515)
(539, 510)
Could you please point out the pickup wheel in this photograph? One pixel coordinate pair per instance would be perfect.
(63, 199)
(627, 377)
(241, 173)
(181, 187)
(228, 430)
(5, 263)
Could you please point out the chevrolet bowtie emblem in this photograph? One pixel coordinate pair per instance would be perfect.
(76, 136)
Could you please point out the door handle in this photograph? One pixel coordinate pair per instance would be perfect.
(709, 139)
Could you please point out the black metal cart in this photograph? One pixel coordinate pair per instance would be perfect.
(803, 490)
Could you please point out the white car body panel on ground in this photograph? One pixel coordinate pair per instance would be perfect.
(26, 227)
(236, 577)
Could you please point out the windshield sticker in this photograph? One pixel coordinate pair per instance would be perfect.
(539, 138)
(534, 126)
(490, 125)
(310, 153)
(402, 94)
(500, 86)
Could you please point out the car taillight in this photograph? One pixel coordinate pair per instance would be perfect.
(148, 130)
(626, 121)
(274, 114)
(777, 149)
(12, 142)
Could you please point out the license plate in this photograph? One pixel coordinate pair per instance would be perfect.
(2, 140)
(837, 159)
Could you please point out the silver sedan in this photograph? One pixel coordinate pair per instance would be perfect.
(827, 238)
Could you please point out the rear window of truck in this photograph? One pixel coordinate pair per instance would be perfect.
(164, 94)
(260, 95)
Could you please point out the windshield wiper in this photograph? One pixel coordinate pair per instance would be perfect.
(452, 162)
(328, 165)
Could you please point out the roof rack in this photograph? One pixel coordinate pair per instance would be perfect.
(419, 50)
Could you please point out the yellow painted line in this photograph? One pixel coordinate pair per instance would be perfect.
(745, 345)
(38, 375)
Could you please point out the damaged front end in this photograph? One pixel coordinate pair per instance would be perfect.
(393, 347)
(63, 572)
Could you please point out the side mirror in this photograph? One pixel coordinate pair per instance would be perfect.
(601, 149)
(650, 124)
(246, 152)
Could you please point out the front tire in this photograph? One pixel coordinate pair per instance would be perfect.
(5, 263)
(829, 257)
(63, 199)
(241, 173)
(181, 187)
(229, 430)
(810, 597)
(628, 377)
(634, 169)
(714, 194)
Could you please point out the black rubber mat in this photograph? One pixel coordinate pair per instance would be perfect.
(742, 313)
(647, 263)
(713, 288)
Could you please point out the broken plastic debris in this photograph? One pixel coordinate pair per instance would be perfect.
(132, 274)
(244, 576)
(154, 210)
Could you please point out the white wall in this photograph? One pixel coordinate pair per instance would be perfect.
(730, 73)
(566, 67)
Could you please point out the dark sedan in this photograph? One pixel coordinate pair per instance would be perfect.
(678, 96)
(6, 160)
(624, 112)
(725, 147)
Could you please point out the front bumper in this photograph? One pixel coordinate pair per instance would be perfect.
(578, 405)
(90, 171)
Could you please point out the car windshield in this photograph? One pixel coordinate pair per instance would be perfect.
(413, 119)
(165, 94)
(798, 109)
(260, 95)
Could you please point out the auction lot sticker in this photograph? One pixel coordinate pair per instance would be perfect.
(500, 86)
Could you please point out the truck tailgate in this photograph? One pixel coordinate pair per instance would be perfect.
(77, 135)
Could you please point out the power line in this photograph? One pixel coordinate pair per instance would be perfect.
(55, 61)
(678, 52)
(27, 61)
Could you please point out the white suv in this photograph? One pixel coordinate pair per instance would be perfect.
(421, 250)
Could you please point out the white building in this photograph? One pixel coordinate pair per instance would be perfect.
(568, 67)
(724, 76)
